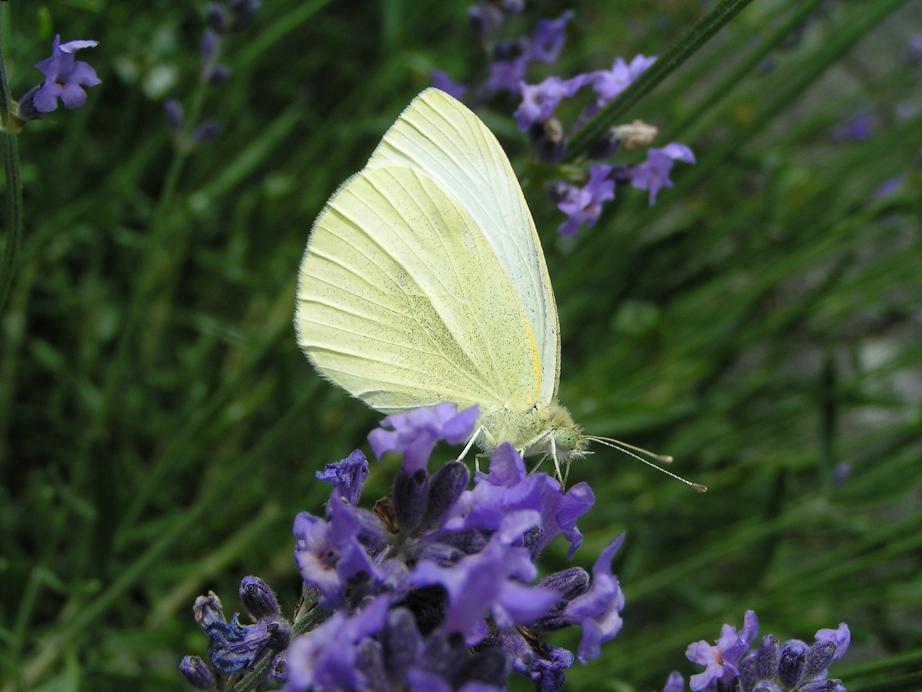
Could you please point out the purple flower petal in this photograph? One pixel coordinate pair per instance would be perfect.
(549, 37)
(675, 682)
(584, 205)
(441, 80)
(415, 433)
(74, 46)
(598, 611)
(841, 636)
(347, 475)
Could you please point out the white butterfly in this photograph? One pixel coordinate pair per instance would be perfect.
(424, 281)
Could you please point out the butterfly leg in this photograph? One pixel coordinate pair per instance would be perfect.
(538, 465)
(470, 443)
(557, 463)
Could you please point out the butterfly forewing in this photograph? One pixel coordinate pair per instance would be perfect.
(441, 137)
(404, 303)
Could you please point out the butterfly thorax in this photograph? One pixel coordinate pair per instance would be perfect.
(541, 430)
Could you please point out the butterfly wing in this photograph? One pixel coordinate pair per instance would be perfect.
(403, 302)
(441, 137)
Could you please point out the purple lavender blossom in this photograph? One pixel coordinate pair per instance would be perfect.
(65, 77)
(720, 659)
(583, 205)
(441, 80)
(608, 84)
(347, 476)
(197, 673)
(653, 174)
(258, 598)
(415, 433)
(506, 75)
(540, 101)
(887, 188)
(508, 489)
(507, 71)
(549, 37)
(330, 555)
(914, 49)
(326, 658)
(598, 611)
(485, 19)
(858, 128)
(207, 131)
(174, 114)
(675, 682)
(841, 637)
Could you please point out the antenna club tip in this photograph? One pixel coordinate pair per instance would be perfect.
(666, 458)
(699, 487)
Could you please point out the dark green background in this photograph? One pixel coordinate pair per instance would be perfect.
(159, 428)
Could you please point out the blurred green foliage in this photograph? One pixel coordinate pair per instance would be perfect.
(159, 428)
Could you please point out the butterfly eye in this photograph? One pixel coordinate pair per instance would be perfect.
(567, 439)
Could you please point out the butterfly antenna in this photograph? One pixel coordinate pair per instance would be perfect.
(662, 458)
(698, 487)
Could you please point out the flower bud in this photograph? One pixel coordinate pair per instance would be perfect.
(445, 488)
(174, 116)
(197, 673)
(411, 491)
(767, 657)
(569, 583)
(509, 50)
(484, 20)
(548, 139)
(258, 598)
(747, 668)
(216, 17)
(217, 74)
(818, 658)
(207, 611)
(822, 686)
(402, 640)
(278, 669)
(791, 663)
(208, 49)
(207, 131)
(766, 686)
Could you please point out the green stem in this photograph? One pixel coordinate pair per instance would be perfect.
(734, 77)
(13, 181)
(674, 57)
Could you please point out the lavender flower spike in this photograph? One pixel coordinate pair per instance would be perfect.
(65, 77)
(584, 205)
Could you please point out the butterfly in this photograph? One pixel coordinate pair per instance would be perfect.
(424, 281)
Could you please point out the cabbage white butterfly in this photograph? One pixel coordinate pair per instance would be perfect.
(424, 281)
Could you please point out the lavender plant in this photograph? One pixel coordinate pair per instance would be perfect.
(537, 112)
(65, 82)
(436, 588)
(222, 21)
